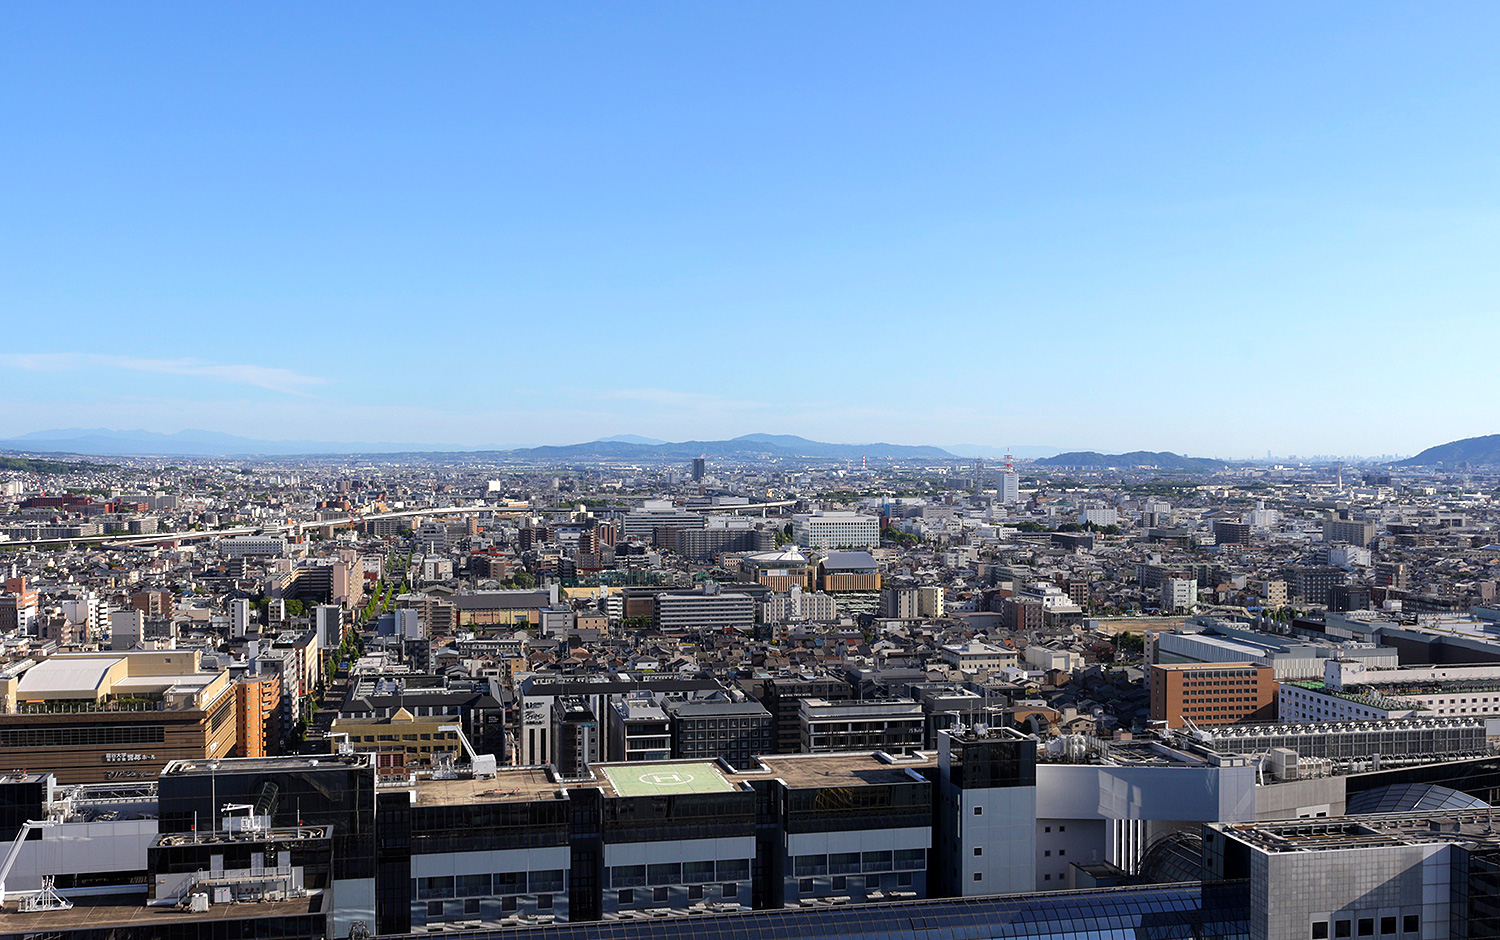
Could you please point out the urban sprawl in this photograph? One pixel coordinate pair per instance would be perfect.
(414, 695)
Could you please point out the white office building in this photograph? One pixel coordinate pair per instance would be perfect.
(830, 530)
(251, 545)
(1010, 487)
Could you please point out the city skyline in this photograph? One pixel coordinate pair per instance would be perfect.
(515, 227)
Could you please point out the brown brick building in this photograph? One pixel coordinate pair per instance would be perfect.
(1212, 693)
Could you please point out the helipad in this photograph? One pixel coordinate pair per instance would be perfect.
(665, 779)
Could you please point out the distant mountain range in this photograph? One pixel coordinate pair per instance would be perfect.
(199, 443)
(1135, 460)
(105, 442)
(1475, 451)
(749, 445)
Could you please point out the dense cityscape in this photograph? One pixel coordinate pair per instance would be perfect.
(408, 694)
(749, 471)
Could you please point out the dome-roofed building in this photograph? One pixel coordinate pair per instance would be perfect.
(779, 569)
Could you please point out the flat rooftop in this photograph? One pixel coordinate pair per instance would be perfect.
(520, 784)
(243, 765)
(663, 779)
(130, 910)
(811, 771)
(1350, 832)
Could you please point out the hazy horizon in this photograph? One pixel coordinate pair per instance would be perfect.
(1212, 230)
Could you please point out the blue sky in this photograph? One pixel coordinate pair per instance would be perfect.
(1211, 228)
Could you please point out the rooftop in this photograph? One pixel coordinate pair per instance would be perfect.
(1350, 832)
(809, 771)
(844, 560)
(232, 765)
(130, 910)
(666, 778)
(510, 784)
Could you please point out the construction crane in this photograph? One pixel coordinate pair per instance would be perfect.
(482, 765)
(45, 900)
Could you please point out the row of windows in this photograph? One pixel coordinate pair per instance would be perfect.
(485, 884)
(83, 736)
(1365, 926)
(370, 738)
(673, 873)
(854, 863)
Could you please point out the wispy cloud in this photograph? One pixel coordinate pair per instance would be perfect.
(271, 378)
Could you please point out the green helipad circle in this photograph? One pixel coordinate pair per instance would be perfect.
(667, 778)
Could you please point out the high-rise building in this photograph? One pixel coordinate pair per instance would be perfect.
(1010, 487)
(1353, 531)
(698, 465)
(898, 602)
(239, 616)
(1227, 532)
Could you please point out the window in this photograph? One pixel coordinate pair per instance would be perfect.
(843, 863)
(470, 886)
(1411, 923)
(513, 882)
(1387, 925)
(1046, 877)
(695, 892)
(1047, 854)
(508, 903)
(979, 811)
(659, 895)
(544, 902)
(805, 886)
(1341, 928)
(627, 896)
(1061, 852)
(551, 880)
(979, 876)
(978, 850)
(839, 882)
(471, 905)
(664, 874)
(1062, 828)
(731, 890)
(1367, 927)
(697, 872)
